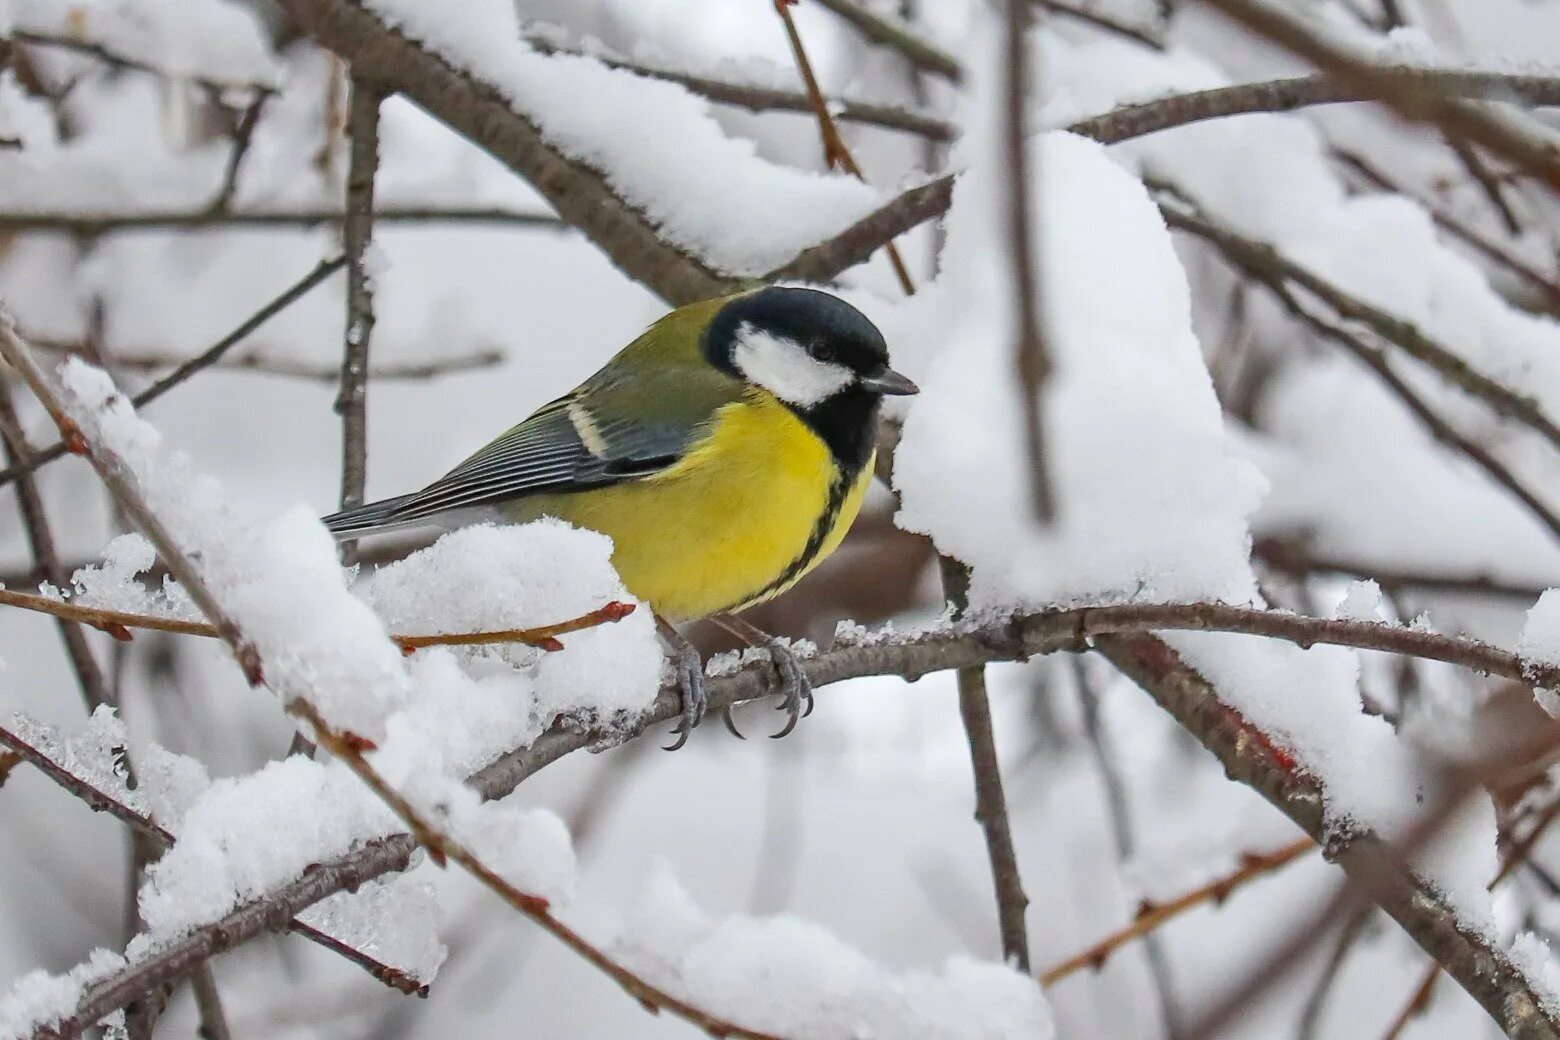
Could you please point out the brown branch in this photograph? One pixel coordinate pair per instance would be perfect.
(203, 360)
(118, 624)
(99, 800)
(1031, 355)
(578, 192)
(836, 153)
(906, 656)
(346, 746)
(1293, 558)
(106, 54)
(92, 225)
(1493, 251)
(887, 32)
(1151, 915)
(1115, 26)
(1272, 267)
(990, 801)
(243, 137)
(1291, 93)
(276, 366)
(757, 98)
(40, 540)
(1249, 757)
(1531, 147)
(357, 235)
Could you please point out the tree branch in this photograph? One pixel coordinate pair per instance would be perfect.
(1249, 757)
(91, 225)
(259, 361)
(203, 360)
(887, 32)
(1151, 915)
(1529, 146)
(578, 192)
(357, 235)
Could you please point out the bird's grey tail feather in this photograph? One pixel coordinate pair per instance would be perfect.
(372, 518)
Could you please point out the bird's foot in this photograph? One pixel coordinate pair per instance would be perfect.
(795, 688)
(688, 671)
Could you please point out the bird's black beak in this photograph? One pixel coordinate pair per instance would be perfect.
(890, 382)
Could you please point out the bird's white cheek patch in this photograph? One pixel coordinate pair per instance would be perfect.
(783, 368)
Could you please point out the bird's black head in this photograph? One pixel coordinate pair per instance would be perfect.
(817, 354)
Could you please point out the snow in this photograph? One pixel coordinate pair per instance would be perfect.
(489, 578)
(280, 582)
(1540, 643)
(657, 145)
(393, 920)
(794, 978)
(1361, 602)
(41, 997)
(1132, 426)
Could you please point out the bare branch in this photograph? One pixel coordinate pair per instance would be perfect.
(1249, 757)
(990, 802)
(1033, 358)
(769, 99)
(104, 53)
(357, 234)
(1530, 146)
(1147, 36)
(118, 624)
(40, 539)
(90, 225)
(578, 192)
(889, 33)
(1293, 558)
(161, 838)
(259, 361)
(203, 360)
(1150, 916)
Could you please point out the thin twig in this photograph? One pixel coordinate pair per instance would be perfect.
(990, 802)
(118, 623)
(99, 800)
(357, 235)
(1311, 1013)
(346, 746)
(104, 53)
(1293, 558)
(1032, 358)
(1099, 20)
(276, 366)
(1151, 915)
(1273, 268)
(92, 225)
(1493, 251)
(1530, 146)
(836, 153)
(243, 137)
(1121, 830)
(757, 98)
(40, 539)
(887, 32)
(195, 364)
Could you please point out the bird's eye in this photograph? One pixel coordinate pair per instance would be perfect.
(823, 351)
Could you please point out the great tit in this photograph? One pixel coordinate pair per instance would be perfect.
(726, 451)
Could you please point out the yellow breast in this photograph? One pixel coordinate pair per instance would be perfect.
(740, 519)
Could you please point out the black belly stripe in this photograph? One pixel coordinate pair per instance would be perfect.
(820, 532)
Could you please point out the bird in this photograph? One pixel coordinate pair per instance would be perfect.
(726, 451)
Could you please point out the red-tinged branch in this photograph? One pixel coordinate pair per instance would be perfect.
(119, 623)
(1151, 915)
(99, 800)
(1374, 865)
(442, 846)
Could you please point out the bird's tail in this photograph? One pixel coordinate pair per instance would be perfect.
(373, 518)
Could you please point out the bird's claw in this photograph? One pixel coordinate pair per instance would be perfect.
(795, 689)
(689, 670)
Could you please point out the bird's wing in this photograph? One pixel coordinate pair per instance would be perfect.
(606, 432)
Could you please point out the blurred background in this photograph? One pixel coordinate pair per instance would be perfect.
(861, 820)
